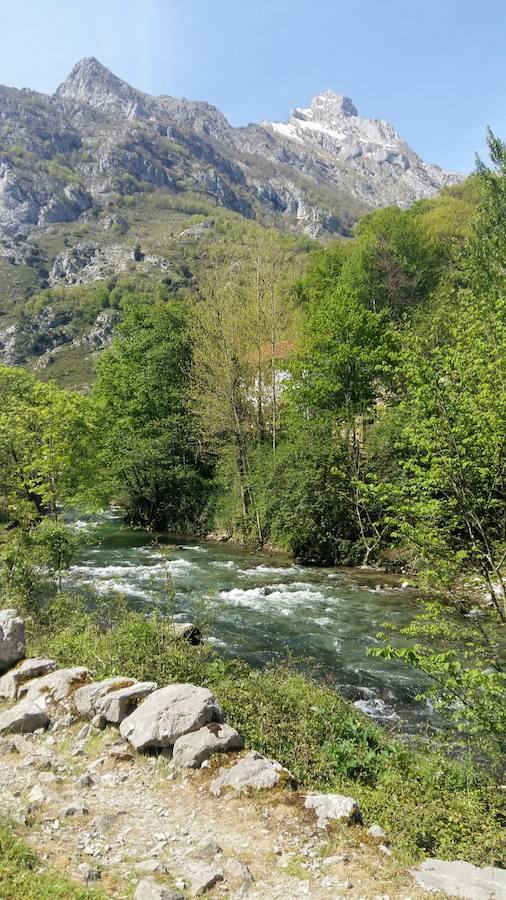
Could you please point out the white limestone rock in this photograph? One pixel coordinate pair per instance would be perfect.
(254, 772)
(116, 705)
(461, 879)
(191, 750)
(376, 831)
(333, 808)
(24, 718)
(203, 877)
(12, 639)
(148, 889)
(40, 796)
(169, 713)
(86, 698)
(54, 688)
(23, 671)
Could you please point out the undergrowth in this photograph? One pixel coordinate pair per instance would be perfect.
(23, 877)
(428, 803)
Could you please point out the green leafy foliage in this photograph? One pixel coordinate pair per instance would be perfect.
(149, 447)
(429, 804)
(34, 557)
(46, 436)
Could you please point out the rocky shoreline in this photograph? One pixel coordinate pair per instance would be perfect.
(97, 771)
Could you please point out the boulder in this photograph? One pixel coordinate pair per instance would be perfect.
(333, 807)
(12, 639)
(23, 671)
(191, 750)
(169, 713)
(462, 879)
(204, 877)
(24, 718)
(116, 705)
(187, 631)
(86, 698)
(77, 808)
(252, 771)
(376, 831)
(148, 889)
(54, 688)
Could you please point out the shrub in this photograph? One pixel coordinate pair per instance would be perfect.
(428, 803)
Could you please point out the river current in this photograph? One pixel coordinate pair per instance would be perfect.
(266, 609)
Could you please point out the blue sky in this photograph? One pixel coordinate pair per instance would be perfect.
(435, 68)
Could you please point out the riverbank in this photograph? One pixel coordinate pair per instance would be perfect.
(264, 609)
(428, 804)
(139, 820)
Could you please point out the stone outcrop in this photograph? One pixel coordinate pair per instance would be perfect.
(191, 750)
(98, 137)
(169, 713)
(252, 772)
(12, 639)
(87, 262)
(461, 879)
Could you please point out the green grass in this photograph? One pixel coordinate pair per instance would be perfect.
(429, 804)
(24, 877)
(15, 282)
(73, 368)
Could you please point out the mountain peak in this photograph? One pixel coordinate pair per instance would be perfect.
(331, 102)
(328, 108)
(93, 83)
(87, 71)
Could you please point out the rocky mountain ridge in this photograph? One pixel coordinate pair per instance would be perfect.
(102, 181)
(62, 156)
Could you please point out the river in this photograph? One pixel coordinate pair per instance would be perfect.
(266, 608)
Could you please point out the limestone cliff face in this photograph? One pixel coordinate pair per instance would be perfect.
(63, 156)
(369, 152)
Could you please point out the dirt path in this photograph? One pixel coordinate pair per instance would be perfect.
(139, 812)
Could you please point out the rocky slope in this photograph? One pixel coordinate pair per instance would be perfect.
(379, 166)
(150, 811)
(100, 181)
(63, 157)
